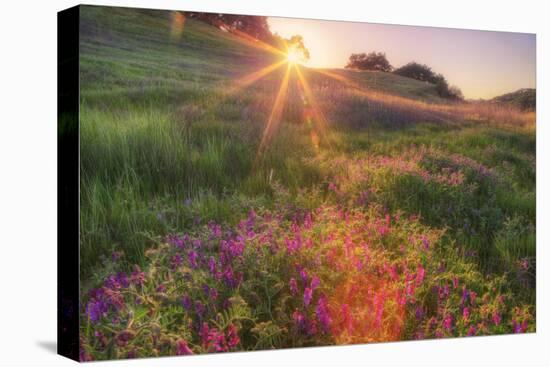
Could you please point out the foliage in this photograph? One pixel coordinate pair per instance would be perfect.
(417, 71)
(424, 73)
(192, 242)
(375, 61)
(524, 99)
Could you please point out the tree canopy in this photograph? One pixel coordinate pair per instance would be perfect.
(375, 61)
(254, 26)
(425, 73)
(417, 71)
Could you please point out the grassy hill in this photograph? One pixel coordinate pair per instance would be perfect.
(524, 99)
(185, 127)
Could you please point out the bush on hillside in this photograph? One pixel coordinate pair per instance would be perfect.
(375, 61)
(424, 73)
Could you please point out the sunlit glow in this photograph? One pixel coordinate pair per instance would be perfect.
(257, 75)
(319, 119)
(366, 309)
(178, 23)
(249, 40)
(275, 115)
(294, 55)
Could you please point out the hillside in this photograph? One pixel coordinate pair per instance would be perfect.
(524, 99)
(226, 191)
(200, 54)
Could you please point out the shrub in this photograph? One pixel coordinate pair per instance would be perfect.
(375, 61)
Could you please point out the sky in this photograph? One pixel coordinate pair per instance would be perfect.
(483, 64)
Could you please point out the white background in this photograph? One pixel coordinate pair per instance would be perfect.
(28, 182)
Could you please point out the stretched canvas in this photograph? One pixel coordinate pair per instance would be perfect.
(237, 183)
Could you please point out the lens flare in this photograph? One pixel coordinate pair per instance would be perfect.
(178, 23)
(294, 55)
(275, 115)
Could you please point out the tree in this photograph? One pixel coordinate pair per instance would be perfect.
(254, 26)
(296, 44)
(456, 93)
(417, 71)
(376, 61)
(424, 73)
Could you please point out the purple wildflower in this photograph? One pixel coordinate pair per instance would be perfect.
(186, 302)
(137, 277)
(293, 286)
(308, 294)
(303, 275)
(322, 314)
(199, 308)
(419, 313)
(466, 313)
(212, 265)
(182, 349)
(315, 282)
(232, 337)
(193, 259)
(95, 309)
(496, 318)
(448, 322)
(176, 261)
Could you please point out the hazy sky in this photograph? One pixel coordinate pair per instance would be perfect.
(481, 63)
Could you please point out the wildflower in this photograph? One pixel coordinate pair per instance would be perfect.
(84, 356)
(186, 302)
(472, 330)
(496, 318)
(455, 282)
(465, 294)
(303, 275)
(519, 327)
(193, 259)
(322, 314)
(182, 348)
(473, 296)
(176, 261)
(199, 308)
(132, 353)
(420, 273)
(213, 293)
(347, 317)
(299, 320)
(308, 294)
(315, 282)
(419, 313)
(137, 277)
(116, 255)
(124, 337)
(425, 242)
(95, 310)
(229, 278)
(293, 286)
(448, 322)
(466, 314)
(232, 337)
(161, 288)
(203, 333)
(212, 265)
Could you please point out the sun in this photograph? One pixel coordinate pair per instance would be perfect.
(294, 55)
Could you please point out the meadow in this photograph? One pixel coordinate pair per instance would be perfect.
(232, 201)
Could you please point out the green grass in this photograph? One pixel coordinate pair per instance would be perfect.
(165, 148)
